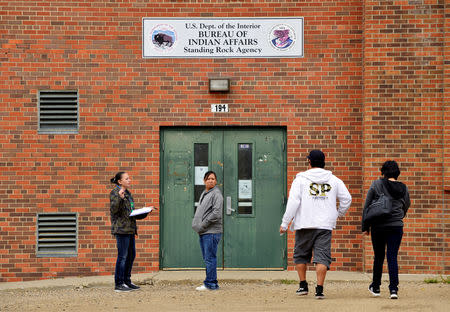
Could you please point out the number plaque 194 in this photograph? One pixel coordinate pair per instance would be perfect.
(219, 108)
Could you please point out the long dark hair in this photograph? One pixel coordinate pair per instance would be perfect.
(117, 177)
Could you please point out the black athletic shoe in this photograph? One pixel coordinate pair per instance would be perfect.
(122, 288)
(319, 292)
(303, 289)
(132, 286)
(394, 294)
(375, 291)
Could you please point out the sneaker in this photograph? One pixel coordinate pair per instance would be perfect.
(394, 294)
(122, 288)
(303, 289)
(132, 286)
(319, 292)
(374, 291)
(202, 288)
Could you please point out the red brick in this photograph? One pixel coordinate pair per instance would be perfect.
(370, 88)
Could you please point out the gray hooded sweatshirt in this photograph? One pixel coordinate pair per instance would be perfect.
(399, 194)
(208, 216)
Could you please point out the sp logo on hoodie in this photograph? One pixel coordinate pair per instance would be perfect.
(319, 190)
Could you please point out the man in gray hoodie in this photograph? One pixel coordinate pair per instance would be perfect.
(207, 223)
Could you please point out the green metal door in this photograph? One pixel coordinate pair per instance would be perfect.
(254, 193)
(185, 155)
(250, 167)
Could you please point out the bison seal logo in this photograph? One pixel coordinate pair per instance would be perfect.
(163, 37)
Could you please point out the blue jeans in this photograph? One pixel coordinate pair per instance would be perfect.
(126, 252)
(208, 244)
(382, 238)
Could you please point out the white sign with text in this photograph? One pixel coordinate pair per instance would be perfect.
(222, 38)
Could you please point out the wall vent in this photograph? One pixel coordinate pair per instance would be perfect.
(58, 111)
(57, 235)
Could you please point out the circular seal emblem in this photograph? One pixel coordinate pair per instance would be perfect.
(282, 37)
(164, 37)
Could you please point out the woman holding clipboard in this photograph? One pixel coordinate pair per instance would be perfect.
(123, 227)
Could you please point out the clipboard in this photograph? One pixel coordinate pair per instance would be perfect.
(141, 213)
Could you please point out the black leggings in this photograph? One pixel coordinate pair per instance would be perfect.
(390, 237)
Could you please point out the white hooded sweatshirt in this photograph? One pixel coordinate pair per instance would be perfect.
(312, 200)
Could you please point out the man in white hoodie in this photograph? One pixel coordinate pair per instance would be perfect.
(312, 207)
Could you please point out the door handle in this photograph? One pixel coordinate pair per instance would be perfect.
(229, 209)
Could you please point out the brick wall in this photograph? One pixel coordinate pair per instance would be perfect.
(446, 117)
(95, 47)
(403, 119)
(446, 86)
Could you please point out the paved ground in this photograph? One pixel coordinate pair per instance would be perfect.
(240, 291)
(174, 276)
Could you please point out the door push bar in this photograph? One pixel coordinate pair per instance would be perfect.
(229, 209)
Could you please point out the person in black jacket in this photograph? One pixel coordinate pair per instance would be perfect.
(124, 228)
(386, 232)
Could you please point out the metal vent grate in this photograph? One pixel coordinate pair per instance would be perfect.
(58, 111)
(57, 235)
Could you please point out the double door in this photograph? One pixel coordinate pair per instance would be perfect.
(250, 164)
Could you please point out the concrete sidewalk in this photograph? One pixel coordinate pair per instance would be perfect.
(198, 276)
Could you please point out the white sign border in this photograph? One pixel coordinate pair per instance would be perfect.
(225, 19)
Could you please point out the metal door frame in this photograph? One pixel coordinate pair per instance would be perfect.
(161, 183)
